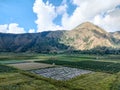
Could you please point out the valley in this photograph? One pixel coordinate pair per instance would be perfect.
(104, 75)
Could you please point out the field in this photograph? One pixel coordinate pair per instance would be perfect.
(105, 75)
(30, 65)
(109, 67)
(19, 81)
(60, 73)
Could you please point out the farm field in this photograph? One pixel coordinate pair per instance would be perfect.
(19, 81)
(109, 67)
(60, 73)
(28, 81)
(30, 65)
(105, 76)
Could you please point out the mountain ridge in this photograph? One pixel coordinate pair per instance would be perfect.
(83, 37)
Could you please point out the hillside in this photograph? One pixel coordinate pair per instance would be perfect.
(83, 37)
(116, 34)
(35, 42)
(116, 38)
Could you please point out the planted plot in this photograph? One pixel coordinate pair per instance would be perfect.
(109, 67)
(29, 66)
(60, 73)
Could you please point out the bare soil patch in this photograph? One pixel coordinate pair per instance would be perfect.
(30, 65)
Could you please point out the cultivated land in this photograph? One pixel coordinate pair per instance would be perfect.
(105, 76)
(30, 65)
(60, 73)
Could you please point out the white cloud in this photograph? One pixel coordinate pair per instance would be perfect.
(11, 28)
(111, 21)
(3, 28)
(61, 9)
(86, 10)
(46, 13)
(31, 31)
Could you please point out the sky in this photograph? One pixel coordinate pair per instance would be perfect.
(31, 16)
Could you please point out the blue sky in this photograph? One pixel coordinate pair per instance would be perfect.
(18, 11)
(23, 16)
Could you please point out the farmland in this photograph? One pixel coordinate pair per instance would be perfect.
(105, 72)
(109, 67)
(60, 73)
(30, 65)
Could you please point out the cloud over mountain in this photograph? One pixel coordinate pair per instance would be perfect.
(11, 28)
(100, 12)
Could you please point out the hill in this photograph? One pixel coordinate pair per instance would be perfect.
(35, 42)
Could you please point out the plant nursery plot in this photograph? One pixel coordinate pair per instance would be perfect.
(60, 73)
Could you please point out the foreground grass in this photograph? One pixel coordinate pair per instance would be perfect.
(95, 81)
(18, 81)
(14, 79)
(28, 81)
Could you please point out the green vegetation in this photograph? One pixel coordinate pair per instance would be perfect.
(27, 81)
(4, 69)
(105, 77)
(110, 67)
(94, 81)
(97, 51)
(16, 56)
(116, 84)
(20, 81)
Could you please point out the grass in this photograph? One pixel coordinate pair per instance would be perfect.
(64, 57)
(4, 69)
(16, 56)
(27, 81)
(24, 81)
(13, 79)
(94, 81)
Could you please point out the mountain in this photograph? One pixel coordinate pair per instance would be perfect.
(83, 37)
(116, 38)
(116, 34)
(87, 36)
